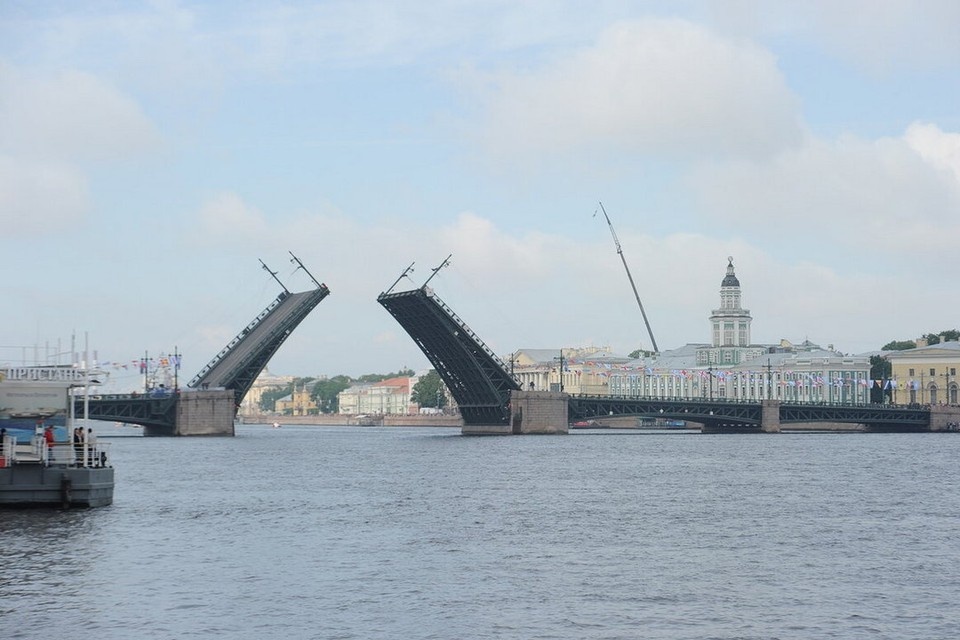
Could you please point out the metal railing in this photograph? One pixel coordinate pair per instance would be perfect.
(62, 454)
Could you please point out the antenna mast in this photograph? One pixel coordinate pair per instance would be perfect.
(402, 275)
(446, 262)
(299, 264)
(616, 241)
(272, 273)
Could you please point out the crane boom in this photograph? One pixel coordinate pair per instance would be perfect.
(616, 241)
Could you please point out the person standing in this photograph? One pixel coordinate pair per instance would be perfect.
(92, 459)
(49, 439)
(78, 446)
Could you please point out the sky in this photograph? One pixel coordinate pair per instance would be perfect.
(152, 153)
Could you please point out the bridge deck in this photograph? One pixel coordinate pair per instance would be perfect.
(242, 360)
(475, 376)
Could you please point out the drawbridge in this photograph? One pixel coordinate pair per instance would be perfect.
(234, 368)
(477, 379)
(238, 364)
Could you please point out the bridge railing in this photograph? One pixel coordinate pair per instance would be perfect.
(722, 400)
(466, 329)
(238, 339)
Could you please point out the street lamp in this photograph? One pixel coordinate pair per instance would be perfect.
(561, 369)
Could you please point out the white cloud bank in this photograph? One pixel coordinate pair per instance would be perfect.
(886, 200)
(665, 87)
(51, 127)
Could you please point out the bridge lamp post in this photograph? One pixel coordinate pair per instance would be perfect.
(561, 370)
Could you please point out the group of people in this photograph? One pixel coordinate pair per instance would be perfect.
(85, 453)
(85, 448)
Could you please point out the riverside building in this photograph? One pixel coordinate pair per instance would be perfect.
(730, 367)
(926, 374)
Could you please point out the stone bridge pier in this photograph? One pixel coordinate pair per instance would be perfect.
(770, 416)
(205, 413)
(944, 417)
(531, 412)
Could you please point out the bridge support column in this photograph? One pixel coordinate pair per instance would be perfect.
(944, 418)
(770, 416)
(205, 413)
(541, 412)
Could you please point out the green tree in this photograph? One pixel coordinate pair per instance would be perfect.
(325, 392)
(899, 345)
(268, 399)
(380, 377)
(428, 392)
(880, 368)
(639, 353)
(948, 335)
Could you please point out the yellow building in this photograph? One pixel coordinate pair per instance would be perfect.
(298, 403)
(584, 369)
(265, 381)
(926, 375)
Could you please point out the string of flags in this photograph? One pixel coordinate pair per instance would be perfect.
(144, 365)
(785, 378)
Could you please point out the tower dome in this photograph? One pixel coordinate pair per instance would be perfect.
(730, 280)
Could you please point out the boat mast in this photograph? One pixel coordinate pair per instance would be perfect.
(616, 241)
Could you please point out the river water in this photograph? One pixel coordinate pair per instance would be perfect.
(415, 533)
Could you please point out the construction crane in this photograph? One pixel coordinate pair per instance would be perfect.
(616, 241)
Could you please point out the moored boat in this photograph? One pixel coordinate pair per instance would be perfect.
(41, 463)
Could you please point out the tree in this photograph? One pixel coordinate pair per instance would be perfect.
(380, 377)
(268, 399)
(639, 353)
(880, 368)
(899, 345)
(931, 338)
(428, 392)
(324, 393)
(948, 335)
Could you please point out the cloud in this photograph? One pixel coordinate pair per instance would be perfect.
(895, 197)
(70, 116)
(655, 86)
(889, 35)
(51, 127)
(38, 198)
(226, 219)
(940, 149)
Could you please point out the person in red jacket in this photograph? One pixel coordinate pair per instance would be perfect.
(48, 436)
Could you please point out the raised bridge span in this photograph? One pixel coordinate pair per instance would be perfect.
(491, 400)
(208, 405)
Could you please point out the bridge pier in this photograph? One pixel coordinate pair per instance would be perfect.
(531, 412)
(770, 416)
(541, 412)
(205, 413)
(944, 417)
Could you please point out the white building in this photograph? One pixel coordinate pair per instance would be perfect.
(387, 397)
(732, 367)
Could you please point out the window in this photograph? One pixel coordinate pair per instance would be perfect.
(911, 373)
(933, 371)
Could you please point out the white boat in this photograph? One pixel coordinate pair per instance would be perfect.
(40, 464)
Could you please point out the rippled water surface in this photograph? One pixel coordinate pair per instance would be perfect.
(326, 532)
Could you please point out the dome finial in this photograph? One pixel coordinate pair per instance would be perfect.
(731, 278)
